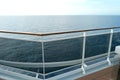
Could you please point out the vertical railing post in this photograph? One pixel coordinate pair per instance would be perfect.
(83, 53)
(109, 47)
(43, 59)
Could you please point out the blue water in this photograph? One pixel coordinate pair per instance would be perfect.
(63, 50)
(44, 24)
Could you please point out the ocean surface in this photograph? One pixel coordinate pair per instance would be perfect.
(44, 24)
(18, 48)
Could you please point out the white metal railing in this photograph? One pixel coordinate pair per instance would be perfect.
(43, 59)
(109, 47)
(83, 52)
(83, 65)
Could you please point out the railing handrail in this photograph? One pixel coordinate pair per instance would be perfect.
(55, 33)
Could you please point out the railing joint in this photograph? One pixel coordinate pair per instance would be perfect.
(83, 69)
(37, 75)
(108, 60)
(85, 65)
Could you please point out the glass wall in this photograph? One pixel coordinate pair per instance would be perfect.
(23, 53)
(116, 40)
(48, 56)
(97, 44)
(62, 52)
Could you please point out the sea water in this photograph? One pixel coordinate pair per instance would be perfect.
(45, 24)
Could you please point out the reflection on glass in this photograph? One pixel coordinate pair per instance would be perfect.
(62, 51)
(116, 40)
(96, 45)
(19, 50)
(13, 50)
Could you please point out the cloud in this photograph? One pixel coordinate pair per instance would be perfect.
(44, 7)
(58, 7)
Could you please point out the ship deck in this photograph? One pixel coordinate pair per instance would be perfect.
(119, 75)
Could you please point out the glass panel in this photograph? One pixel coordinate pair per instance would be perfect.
(60, 51)
(115, 41)
(97, 45)
(21, 54)
(19, 50)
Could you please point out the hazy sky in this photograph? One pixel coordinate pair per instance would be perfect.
(59, 7)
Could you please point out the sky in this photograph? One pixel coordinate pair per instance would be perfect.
(59, 7)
